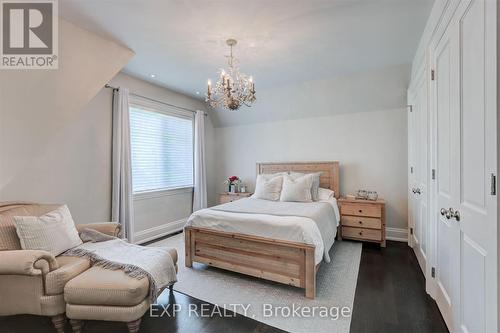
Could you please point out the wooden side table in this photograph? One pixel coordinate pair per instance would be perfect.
(363, 220)
(230, 197)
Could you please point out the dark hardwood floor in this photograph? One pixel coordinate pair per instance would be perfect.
(390, 294)
(390, 297)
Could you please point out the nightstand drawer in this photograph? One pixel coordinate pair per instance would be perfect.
(230, 197)
(227, 198)
(364, 222)
(360, 209)
(360, 233)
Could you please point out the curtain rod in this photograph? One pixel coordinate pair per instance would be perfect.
(155, 100)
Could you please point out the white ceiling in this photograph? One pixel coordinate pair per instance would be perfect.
(279, 41)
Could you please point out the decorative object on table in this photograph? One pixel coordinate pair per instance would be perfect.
(243, 189)
(232, 183)
(372, 195)
(233, 89)
(362, 194)
(350, 196)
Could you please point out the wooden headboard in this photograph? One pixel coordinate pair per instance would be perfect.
(330, 173)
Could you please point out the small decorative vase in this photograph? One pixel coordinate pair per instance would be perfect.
(232, 189)
(243, 189)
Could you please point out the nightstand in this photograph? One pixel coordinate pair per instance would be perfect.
(230, 197)
(363, 220)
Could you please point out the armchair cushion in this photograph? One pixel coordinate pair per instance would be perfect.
(27, 262)
(69, 267)
(100, 286)
(108, 228)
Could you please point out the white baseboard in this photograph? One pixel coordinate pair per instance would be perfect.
(150, 234)
(143, 236)
(396, 234)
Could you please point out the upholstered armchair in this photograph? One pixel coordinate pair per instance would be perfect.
(33, 281)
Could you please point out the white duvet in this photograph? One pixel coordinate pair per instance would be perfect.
(290, 228)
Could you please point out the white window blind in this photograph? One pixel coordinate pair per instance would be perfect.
(161, 146)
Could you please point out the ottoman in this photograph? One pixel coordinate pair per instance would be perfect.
(111, 295)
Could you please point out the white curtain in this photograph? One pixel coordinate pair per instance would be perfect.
(122, 209)
(200, 177)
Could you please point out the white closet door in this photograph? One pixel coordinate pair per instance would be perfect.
(475, 151)
(423, 174)
(448, 232)
(418, 184)
(412, 144)
(465, 93)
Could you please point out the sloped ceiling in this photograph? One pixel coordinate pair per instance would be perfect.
(37, 105)
(280, 42)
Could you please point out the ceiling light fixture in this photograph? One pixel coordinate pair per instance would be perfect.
(152, 75)
(233, 89)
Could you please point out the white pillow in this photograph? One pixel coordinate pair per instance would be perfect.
(315, 185)
(298, 190)
(325, 194)
(268, 187)
(268, 176)
(54, 232)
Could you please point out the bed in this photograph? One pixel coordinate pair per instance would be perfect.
(237, 241)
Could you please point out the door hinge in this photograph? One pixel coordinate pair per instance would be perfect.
(411, 231)
(433, 75)
(411, 169)
(433, 173)
(493, 184)
(433, 272)
(410, 107)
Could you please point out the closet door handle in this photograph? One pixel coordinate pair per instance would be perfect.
(417, 191)
(456, 215)
(450, 213)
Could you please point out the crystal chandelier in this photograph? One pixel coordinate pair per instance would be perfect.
(233, 89)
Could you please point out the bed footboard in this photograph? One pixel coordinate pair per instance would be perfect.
(285, 262)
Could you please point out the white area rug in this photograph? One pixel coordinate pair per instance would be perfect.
(335, 288)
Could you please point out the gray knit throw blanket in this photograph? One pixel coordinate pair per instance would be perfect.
(136, 261)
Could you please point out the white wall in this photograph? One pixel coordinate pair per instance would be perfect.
(56, 138)
(370, 144)
(54, 146)
(164, 212)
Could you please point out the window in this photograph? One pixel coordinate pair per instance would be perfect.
(161, 141)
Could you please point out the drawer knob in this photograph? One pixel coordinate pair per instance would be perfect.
(361, 211)
(361, 233)
(360, 222)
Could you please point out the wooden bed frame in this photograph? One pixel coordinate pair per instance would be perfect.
(281, 261)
